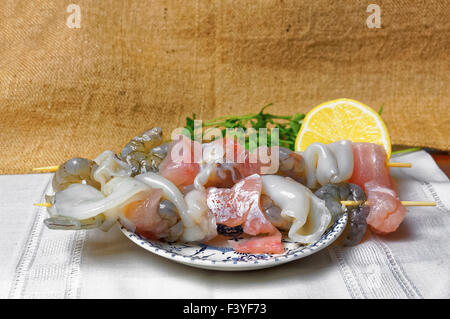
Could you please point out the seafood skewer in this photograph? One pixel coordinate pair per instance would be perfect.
(52, 169)
(333, 163)
(155, 194)
(343, 202)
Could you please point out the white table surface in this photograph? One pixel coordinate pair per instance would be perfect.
(413, 262)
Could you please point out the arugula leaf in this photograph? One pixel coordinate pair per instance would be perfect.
(288, 126)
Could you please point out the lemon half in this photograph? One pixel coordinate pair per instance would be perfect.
(343, 119)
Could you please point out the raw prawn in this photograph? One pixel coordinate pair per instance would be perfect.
(75, 170)
(138, 152)
(333, 194)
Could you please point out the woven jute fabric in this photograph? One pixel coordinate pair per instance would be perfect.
(131, 65)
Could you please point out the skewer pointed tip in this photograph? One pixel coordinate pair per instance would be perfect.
(404, 203)
(43, 204)
(46, 168)
(393, 164)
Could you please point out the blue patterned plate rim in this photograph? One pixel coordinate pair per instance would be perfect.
(224, 258)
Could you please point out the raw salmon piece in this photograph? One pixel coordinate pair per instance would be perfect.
(371, 173)
(232, 205)
(181, 164)
(144, 215)
(369, 165)
(245, 162)
(240, 205)
(386, 211)
(259, 161)
(256, 221)
(270, 244)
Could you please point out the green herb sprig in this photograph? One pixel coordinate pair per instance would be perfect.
(288, 126)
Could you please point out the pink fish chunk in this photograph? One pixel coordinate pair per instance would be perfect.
(369, 164)
(371, 174)
(386, 211)
(239, 205)
(244, 162)
(180, 165)
(270, 244)
(144, 215)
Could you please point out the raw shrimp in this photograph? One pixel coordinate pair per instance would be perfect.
(138, 152)
(76, 170)
(333, 194)
(292, 165)
(273, 213)
(215, 167)
(224, 162)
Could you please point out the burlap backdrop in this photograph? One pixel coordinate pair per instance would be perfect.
(134, 64)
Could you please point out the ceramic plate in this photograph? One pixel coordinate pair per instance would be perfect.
(224, 258)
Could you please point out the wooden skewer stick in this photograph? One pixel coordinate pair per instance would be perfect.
(399, 164)
(46, 168)
(43, 204)
(51, 169)
(404, 203)
(343, 202)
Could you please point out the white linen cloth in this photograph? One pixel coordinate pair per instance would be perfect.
(413, 262)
